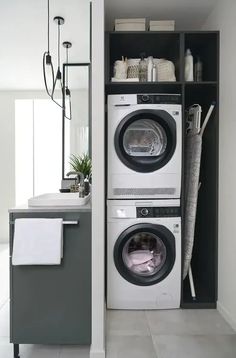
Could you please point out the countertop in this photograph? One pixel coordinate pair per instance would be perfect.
(30, 209)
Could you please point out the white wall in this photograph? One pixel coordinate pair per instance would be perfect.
(98, 192)
(7, 152)
(223, 18)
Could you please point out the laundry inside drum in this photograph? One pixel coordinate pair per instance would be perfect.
(144, 254)
(144, 137)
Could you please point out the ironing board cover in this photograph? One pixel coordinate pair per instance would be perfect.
(192, 171)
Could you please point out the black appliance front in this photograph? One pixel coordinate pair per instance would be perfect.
(145, 140)
(144, 254)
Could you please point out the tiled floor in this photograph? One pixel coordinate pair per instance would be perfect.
(169, 334)
(135, 334)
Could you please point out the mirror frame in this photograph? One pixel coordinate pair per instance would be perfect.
(86, 64)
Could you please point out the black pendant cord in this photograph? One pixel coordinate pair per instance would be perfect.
(48, 28)
(60, 21)
(47, 61)
(66, 90)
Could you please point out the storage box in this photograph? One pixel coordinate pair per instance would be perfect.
(163, 25)
(130, 24)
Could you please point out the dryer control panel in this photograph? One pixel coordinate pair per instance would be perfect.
(159, 98)
(158, 212)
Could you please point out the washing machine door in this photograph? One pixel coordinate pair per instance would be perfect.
(145, 140)
(144, 254)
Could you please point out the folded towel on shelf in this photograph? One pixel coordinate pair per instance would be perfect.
(38, 242)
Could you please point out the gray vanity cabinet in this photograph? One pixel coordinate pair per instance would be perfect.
(52, 304)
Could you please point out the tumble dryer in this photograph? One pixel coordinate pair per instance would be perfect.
(144, 146)
(143, 254)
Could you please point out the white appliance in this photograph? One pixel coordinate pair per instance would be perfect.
(143, 254)
(144, 146)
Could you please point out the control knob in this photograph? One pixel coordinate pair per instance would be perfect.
(145, 98)
(144, 211)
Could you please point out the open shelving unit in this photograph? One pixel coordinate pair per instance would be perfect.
(172, 46)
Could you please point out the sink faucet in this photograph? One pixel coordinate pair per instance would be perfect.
(80, 180)
(80, 176)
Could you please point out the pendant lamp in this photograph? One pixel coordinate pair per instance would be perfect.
(67, 102)
(58, 79)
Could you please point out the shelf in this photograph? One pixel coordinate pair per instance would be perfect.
(200, 83)
(143, 87)
(162, 83)
(144, 83)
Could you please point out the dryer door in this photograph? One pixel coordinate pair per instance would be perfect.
(145, 140)
(144, 254)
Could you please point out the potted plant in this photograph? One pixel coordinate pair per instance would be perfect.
(82, 163)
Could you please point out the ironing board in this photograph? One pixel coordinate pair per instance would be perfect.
(192, 173)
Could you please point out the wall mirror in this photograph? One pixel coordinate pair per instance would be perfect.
(76, 113)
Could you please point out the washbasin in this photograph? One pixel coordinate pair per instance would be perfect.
(58, 199)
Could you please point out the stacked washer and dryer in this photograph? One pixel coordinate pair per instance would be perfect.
(143, 207)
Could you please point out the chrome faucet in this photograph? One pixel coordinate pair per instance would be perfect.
(79, 180)
(80, 177)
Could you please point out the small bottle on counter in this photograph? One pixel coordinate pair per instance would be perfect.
(86, 186)
(198, 70)
(143, 69)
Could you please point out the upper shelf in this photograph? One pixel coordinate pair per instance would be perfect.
(153, 87)
(169, 45)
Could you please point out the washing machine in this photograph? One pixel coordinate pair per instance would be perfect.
(143, 254)
(144, 146)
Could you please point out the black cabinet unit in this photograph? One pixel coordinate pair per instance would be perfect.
(172, 46)
(52, 304)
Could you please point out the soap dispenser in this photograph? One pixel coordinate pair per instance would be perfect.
(188, 70)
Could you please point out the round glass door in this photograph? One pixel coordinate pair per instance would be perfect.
(144, 137)
(144, 254)
(145, 140)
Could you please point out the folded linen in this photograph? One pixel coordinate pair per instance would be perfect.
(38, 242)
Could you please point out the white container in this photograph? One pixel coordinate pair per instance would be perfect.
(130, 24)
(163, 25)
(154, 74)
(165, 70)
(149, 68)
(133, 67)
(120, 70)
(188, 67)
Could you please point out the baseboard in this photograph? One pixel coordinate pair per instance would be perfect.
(224, 312)
(97, 353)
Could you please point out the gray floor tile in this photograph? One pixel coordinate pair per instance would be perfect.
(39, 351)
(74, 352)
(191, 322)
(130, 347)
(6, 349)
(4, 321)
(199, 346)
(127, 323)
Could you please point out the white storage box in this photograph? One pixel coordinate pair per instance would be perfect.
(130, 24)
(163, 25)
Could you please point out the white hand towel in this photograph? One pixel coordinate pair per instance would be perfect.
(38, 242)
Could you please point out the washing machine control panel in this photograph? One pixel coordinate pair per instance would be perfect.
(159, 98)
(156, 212)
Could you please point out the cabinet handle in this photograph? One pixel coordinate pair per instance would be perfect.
(75, 222)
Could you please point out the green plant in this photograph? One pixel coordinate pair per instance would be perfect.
(81, 163)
